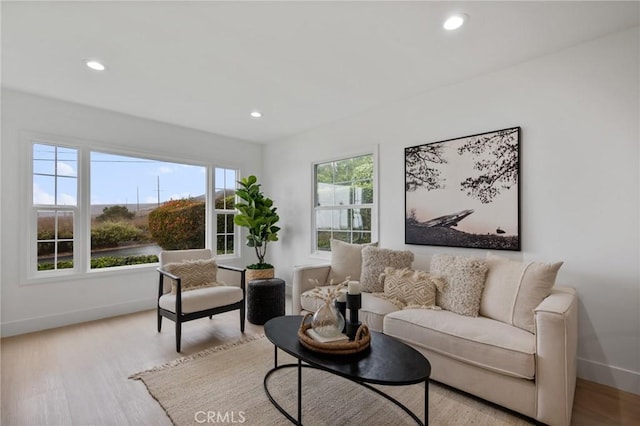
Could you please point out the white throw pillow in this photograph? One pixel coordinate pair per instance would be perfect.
(193, 274)
(346, 260)
(411, 288)
(375, 259)
(464, 277)
(514, 289)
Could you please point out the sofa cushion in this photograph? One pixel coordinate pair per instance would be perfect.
(513, 289)
(193, 274)
(411, 288)
(480, 341)
(372, 312)
(375, 259)
(346, 261)
(202, 299)
(464, 277)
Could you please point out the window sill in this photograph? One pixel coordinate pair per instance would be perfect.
(66, 276)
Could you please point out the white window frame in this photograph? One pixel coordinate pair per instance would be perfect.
(35, 208)
(373, 151)
(82, 222)
(214, 223)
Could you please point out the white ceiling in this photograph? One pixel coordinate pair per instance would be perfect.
(206, 65)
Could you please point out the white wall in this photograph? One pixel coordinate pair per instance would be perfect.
(579, 111)
(30, 307)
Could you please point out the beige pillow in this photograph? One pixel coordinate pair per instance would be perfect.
(193, 274)
(464, 280)
(514, 289)
(411, 288)
(346, 260)
(374, 260)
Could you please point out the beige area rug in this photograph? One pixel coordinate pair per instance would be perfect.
(223, 385)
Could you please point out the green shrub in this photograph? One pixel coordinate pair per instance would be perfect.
(110, 234)
(114, 214)
(109, 261)
(178, 224)
(63, 264)
(103, 262)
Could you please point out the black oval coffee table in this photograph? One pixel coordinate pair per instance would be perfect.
(387, 361)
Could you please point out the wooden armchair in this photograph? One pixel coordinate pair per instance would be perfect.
(184, 297)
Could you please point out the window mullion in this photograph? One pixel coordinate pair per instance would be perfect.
(82, 229)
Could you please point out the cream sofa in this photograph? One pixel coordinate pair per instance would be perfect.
(531, 373)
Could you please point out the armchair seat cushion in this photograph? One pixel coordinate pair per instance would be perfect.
(479, 341)
(202, 299)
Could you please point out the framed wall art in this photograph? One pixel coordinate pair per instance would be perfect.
(464, 192)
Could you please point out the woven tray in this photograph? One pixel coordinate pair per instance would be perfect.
(360, 343)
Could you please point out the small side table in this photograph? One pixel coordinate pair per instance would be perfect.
(265, 300)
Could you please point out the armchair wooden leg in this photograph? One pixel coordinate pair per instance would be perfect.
(178, 333)
(159, 322)
(242, 319)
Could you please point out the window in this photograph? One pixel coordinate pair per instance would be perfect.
(94, 210)
(140, 206)
(344, 201)
(225, 202)
(55, 201)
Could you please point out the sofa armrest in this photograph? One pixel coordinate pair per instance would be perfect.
(301, 276)
(556, 322)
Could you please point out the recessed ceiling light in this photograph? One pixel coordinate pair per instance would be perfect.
(256, 114)
(95, 65)
(454, 22)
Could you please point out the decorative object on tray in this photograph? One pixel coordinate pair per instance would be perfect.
(328, 321)
(354, 303)
(341, 306)
(360, 343)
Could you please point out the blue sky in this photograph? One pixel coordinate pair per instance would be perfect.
(117, 179)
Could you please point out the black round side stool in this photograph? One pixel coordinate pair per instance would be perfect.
(265, 300)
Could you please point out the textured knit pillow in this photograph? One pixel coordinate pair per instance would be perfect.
(193, 274)
(464, 277)
(374, 260)
(513, 289)
(346, 260)
(411, 288)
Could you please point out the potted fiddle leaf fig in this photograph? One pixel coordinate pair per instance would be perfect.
(257, 214)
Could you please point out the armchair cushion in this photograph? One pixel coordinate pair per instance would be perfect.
(514, 289)
(193, 273)
(203, 298)
(346, 261)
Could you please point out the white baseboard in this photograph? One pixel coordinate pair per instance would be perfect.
(30, 325)
(619, 378)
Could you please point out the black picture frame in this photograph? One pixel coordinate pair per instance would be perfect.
(465, 192)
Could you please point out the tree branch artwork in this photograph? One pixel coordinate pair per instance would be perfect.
(420, 172)
(499, 170)
(465, 192)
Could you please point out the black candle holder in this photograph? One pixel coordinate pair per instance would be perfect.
(342, 308)
(354, 303)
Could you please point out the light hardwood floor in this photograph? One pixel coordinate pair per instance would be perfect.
(77, 375)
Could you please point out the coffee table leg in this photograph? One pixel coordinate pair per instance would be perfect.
(275, 356)
(299, 391)
(426, 402)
